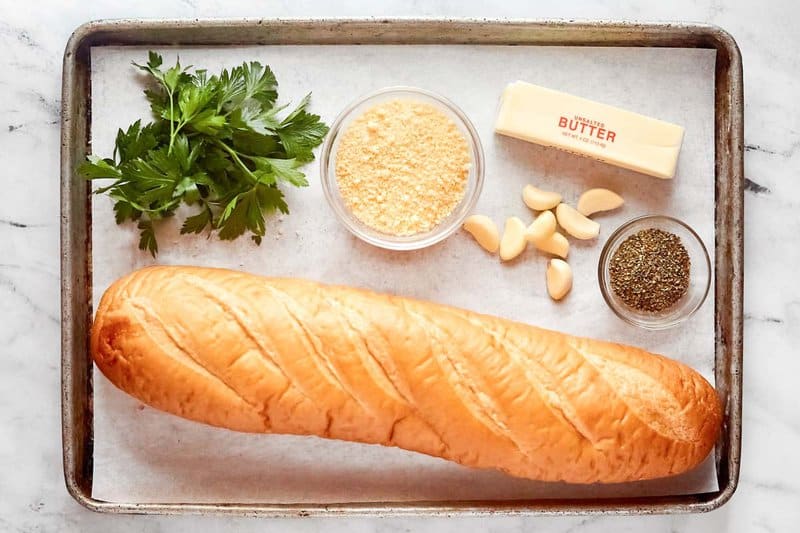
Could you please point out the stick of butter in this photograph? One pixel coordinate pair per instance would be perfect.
(591, 129)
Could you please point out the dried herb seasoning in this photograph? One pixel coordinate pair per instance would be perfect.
(649, 271)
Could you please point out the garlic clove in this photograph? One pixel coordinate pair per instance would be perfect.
(542, 227)
(540, 200)
(484, 230)
(555, 244)
(513, 242)
(576, 224)
(596, 200)
(559, 279)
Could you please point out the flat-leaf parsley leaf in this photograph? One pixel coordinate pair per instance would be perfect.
(217, 143)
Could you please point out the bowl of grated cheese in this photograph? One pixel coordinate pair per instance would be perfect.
(402, 168)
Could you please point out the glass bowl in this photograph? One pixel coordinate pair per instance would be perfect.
(405, 242)
(699, 273)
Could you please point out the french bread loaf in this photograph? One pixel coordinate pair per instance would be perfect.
(269, 355)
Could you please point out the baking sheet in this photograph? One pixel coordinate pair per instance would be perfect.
(147, 456)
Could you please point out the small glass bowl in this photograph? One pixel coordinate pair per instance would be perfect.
(699, 274)
(404, 242)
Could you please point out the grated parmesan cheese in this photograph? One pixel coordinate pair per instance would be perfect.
(402, 167)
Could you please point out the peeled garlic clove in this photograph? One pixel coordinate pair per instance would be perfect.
(596, 200)
(555, 244)
(542, 227)
(576, 224)
(483, 229)
(513, 242)
(559, 279)
(540, 200)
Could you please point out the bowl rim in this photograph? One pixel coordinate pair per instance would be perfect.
(327, 177)
(604, 257)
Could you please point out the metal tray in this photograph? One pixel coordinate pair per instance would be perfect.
(76, 227)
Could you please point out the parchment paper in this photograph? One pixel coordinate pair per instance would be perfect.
(144, 455)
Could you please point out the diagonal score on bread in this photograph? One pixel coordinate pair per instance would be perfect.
(276, 355)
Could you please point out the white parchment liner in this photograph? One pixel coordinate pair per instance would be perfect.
(143, 455)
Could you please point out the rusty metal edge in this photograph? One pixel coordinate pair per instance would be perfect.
(76, 413)
(76, 267)
(729, 254)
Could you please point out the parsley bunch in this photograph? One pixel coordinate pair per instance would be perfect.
(217, 143)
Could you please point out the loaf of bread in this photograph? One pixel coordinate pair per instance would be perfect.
(258, 354)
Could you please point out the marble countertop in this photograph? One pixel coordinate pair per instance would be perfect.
(32, 493)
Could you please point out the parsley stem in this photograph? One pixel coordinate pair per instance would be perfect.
(174, 134)
(171, 124)
(235, 157)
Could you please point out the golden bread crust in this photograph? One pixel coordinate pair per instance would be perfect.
(275, 355)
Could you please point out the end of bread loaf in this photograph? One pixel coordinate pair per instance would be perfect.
(680, 410)
(143, 356)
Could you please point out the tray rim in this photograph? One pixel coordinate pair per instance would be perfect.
(76, 297)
